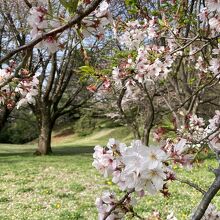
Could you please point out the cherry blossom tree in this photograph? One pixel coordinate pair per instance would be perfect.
(177, 52)
(60, 89)
(53, 71)
(172, 52)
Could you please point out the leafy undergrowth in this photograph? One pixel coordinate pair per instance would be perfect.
(64, 186)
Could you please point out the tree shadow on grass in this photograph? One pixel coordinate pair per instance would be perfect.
(27, 153)
(57, 151)
(67, 150)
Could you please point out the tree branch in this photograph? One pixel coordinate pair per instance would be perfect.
(76, 19)
(28, 3)
(208, 196)
(191, 184)
(118, 203)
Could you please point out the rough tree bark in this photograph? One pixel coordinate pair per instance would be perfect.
(44, 142)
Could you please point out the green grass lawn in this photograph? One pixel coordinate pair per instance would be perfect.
(64, 185)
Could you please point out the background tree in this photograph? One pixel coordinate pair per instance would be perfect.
(60, 92)
(57, 71)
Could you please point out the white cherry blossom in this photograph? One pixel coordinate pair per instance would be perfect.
(214, 23)
(215, 66)
(213, 5)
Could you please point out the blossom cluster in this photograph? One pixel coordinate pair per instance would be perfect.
(134, 167)
(213, 6)
(211, 15)
(41, 22)
(152, 62)
(178, 152)
(94, 24)
(215, 62)
(27, 88)
(194, 134)
(197, 132)
(40, 25)
(146, 169)
(193, 130)
(108, 201)
(22, 88)
(201, 64)
(213, 130)
(137, 33)
(134, 35)
(213, 67)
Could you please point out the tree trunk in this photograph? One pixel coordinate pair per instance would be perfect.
(44, 142)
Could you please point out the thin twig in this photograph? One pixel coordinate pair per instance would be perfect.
(118, 203)
(186, 45)
(196, 92)
(191, 184)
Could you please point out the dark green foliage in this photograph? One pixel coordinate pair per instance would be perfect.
(90, 121)
(21, 130)
(85, 125)
(109, 124)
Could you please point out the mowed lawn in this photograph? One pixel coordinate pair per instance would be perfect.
(64, 185)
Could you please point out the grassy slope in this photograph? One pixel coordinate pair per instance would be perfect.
(64, 186)
(99, 136)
